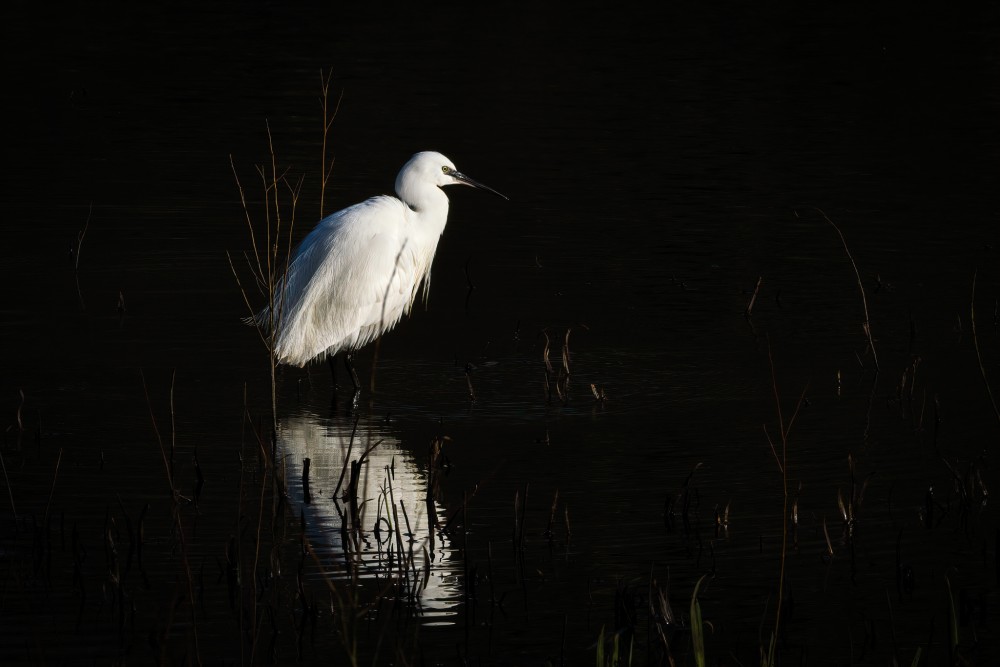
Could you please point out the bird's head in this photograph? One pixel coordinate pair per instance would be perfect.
(430, 168)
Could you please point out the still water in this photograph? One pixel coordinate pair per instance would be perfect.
(660, 167)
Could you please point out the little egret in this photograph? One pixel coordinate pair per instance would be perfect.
(355, 275)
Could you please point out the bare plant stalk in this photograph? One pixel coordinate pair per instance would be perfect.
(784, 429)
(20, 407)
(753, 298)
(52, 490)
(254, 628)
(864, 301)
(178, 524)
(10, 492)
(269, 264)
(774, 452)
(246, 213)
(79, 238)
(271, 241)
(328, 118)
(267, 267)
(270, 276)
(975, 343)
(385, 301)
(173, 423)
(829, 544)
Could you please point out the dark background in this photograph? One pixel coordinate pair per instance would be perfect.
(658, 162)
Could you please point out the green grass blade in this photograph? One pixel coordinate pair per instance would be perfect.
(953, 618)
(697, 631)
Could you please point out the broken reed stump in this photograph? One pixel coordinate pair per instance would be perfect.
(306, 495)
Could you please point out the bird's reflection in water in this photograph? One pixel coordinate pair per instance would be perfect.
(368, 511)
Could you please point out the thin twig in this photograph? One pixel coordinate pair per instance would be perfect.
(975, 343)
(10, 491)
(79, 238)
(785, 429)
(156, 432)
(178, 524)
(753, 298)
(774, 451)
(864, 301)
(328, 118)
(246, 211)
(173, 422)
(52, 489)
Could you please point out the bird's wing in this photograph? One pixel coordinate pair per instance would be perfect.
(352, 278)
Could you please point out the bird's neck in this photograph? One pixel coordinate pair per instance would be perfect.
(429, 211)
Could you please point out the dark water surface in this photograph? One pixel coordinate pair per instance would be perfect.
(658, 165)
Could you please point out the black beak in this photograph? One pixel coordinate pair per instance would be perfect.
(462, 178)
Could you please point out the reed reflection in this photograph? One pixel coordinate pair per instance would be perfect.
(370, 510)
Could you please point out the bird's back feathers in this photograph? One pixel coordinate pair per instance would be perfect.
(354, 276)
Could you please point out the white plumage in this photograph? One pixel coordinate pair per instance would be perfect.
(358, 272)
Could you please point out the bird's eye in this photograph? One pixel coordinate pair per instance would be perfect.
(446, 169)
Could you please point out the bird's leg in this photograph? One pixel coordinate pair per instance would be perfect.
(353, 374)
(333, 369)
(348, 358)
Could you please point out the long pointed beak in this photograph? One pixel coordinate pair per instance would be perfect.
(465, 180)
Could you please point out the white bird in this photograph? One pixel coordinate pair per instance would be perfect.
(359, 271)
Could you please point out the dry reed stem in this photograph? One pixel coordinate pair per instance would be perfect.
(52, 490)
(381, 319)
(748, 311)
(864, 300)
(829, 544)
(20, 411)
(173, 423)
(79, 238)
(975, 343)
(246, 212)
(10, 492)
(328, 119)
(774, 451)
(545, 352)
(265, 265)
(783, 466)
(255, 628)
(178, 523)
